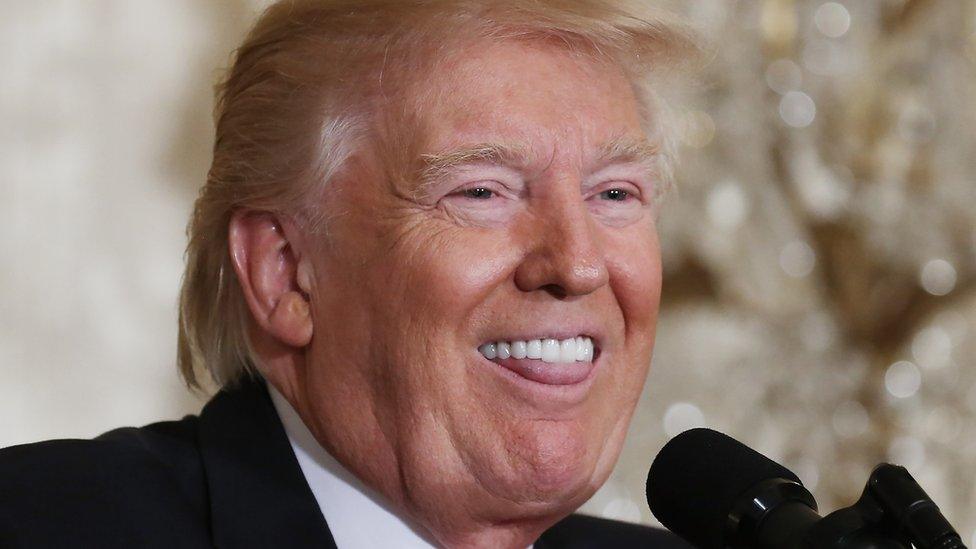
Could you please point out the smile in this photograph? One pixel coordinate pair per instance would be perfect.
(548, 361)
(574, 349)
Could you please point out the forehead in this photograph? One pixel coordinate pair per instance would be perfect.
(543, 100)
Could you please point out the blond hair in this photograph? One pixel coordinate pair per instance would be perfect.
(300, 97)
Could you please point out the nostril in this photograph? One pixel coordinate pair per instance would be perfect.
(555, 290)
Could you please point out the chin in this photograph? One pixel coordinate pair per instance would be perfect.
(558, 464)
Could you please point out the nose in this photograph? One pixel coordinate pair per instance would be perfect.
(565, 257)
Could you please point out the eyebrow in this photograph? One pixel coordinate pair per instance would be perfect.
(629, 150)
(616, 151)
(436, 166)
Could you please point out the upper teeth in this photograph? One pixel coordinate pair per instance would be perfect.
(579, 348)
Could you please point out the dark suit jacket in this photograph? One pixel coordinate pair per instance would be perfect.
(227, 478)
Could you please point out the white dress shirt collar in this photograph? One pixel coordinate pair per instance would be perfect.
(357, 516)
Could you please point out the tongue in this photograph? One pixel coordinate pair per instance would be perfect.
(548, 373)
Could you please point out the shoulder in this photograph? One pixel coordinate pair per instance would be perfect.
(161, 455)
(583, 532)
(129, 486)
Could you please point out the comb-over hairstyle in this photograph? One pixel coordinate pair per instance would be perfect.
(303, 95)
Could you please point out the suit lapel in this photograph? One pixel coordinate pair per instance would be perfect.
(258, 495)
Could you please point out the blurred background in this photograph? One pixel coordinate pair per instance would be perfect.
(820, 255)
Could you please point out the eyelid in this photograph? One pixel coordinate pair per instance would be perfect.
(503, 181)
(457, 178)
(639, 177)
(633, 189)
(495, 186)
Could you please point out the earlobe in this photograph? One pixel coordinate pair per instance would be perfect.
(274, 281)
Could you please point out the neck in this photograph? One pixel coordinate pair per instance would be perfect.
(434, 519)
(505, 536)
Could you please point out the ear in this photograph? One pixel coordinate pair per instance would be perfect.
(275, 280)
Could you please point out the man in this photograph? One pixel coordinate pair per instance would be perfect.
(424, 268)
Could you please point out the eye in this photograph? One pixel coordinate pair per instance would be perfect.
(485, 203)
(615, 195)
(617, 202)
(478, 193)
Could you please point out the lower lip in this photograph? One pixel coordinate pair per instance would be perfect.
(546, 373)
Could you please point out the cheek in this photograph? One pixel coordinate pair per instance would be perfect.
(634, 264)
(439, 281)
(444, 275)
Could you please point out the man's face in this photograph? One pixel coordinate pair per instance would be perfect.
(533, 221)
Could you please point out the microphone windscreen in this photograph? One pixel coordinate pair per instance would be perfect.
(697, 477)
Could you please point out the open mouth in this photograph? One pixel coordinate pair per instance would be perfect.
(549, 361)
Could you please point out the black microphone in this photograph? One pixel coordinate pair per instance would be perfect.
(699, 478)
(718, 493)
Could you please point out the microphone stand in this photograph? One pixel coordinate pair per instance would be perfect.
(893, 512)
